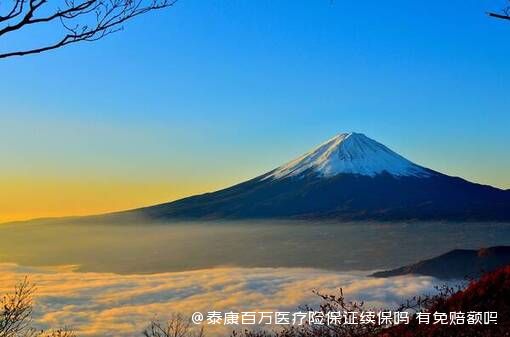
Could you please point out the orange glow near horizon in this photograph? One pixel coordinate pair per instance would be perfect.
(25, 199)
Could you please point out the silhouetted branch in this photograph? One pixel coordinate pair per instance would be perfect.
(16, 311)
(505, 14)
(88, 20)
(176, 326)
(16, 314)
(499, 16)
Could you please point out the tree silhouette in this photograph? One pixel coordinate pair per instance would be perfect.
(75, 20)
(176, 326)
(504, 14)
(16, 314)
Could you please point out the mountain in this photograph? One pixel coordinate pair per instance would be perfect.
(350, 153)
(349, 177)
(456, 264)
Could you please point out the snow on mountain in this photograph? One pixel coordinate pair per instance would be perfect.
(352, 153)
(373, 183)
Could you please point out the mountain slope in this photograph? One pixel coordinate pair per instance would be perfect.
(350, 177)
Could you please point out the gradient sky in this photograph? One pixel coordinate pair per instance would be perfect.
(209, 93)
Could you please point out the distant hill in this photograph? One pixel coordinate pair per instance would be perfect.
(456, 264)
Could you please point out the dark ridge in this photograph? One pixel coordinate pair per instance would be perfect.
(343, 197)
(456, 264)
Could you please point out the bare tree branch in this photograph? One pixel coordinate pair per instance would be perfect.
(88, 20)
(16, 311)
(505, 14)
(16, 314)
(176, 326)
(499, 16)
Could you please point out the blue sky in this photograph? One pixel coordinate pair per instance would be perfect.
(208, 93)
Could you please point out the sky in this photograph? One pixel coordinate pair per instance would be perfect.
(209, 93)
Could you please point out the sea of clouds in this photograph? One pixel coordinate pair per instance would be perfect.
(107, 304)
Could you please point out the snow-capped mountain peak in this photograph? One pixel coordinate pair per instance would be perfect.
(350, 153)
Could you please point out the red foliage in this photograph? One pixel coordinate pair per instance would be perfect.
(490, 293)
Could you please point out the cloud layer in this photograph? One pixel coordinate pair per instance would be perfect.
(106, 304)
